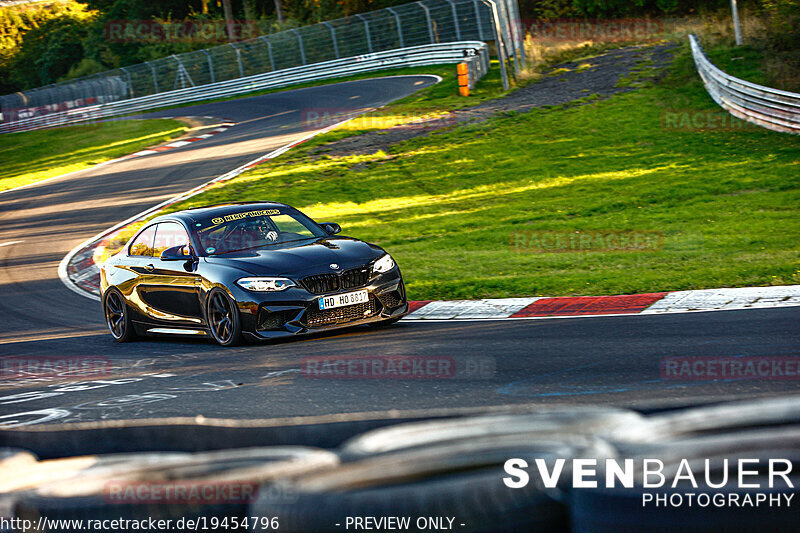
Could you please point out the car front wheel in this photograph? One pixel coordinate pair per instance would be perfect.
(222, 317)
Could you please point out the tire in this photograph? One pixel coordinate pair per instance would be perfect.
(118, 316)
(537, 421)
(477, 499)
(713, 419)
(222, 317)
(98, 492)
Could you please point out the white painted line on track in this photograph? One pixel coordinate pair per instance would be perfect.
(279, 114)
(9, 243)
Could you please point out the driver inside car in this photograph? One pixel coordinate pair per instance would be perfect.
(256, 232)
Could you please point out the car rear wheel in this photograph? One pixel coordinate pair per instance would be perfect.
(222, 317)
(118, 316)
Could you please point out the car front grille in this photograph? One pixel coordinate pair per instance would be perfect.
(274, 321)
(342, 315)
(327, 283)
(322, 283)
(391, 300)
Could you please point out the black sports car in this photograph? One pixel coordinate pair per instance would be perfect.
(260, 269)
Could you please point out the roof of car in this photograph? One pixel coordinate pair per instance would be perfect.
(205, 211)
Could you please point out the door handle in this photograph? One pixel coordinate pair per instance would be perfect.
(149, 268)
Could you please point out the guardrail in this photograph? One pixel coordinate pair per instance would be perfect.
(475, 53)
(770, 108)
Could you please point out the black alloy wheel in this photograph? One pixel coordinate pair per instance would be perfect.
(223, 318)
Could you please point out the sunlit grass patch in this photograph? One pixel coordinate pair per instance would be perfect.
(34, 156)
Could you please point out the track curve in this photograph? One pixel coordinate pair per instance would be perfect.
(597, 360)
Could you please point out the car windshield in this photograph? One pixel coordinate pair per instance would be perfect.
(259, 228)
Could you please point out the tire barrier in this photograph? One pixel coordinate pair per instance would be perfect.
(713, 418)
(428, 466)
(190, 435)
(542, 421)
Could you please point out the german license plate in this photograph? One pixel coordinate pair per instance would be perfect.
(341, 300)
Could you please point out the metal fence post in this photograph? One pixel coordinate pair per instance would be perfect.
(238, 59)
(269, 51)
(478, 19)
(366, 30)
(737, 28)
(399, 27)
(210, 65)
(499, 42)
(428, 16)
(333, 38)
(506, 19)
(155, 77)
(300, 42)
(455, 19)
(130, 81)
(182, 74)
(520, 32)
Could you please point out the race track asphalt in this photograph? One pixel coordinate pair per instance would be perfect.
(606, 360)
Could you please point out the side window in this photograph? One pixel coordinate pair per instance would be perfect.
(169, 234)
(143, 245)
(287, 224)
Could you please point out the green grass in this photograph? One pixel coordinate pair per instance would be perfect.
(447, 206)
(34, 156)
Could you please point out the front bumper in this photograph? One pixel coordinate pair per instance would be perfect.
(296, 311)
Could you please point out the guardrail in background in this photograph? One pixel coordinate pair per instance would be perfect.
(398, 27)
(770, 108)
(475, 53)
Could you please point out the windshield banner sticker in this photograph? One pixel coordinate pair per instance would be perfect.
(248, 214)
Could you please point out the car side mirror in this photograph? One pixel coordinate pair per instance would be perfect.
(177, 253)
(331, 228)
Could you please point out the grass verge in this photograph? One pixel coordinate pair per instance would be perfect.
(33, 156)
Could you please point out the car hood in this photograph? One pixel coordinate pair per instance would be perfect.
(301, 258)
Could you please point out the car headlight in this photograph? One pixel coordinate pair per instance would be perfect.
(384, 264)
(265, 284)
